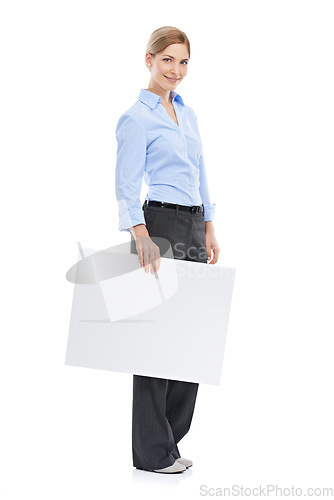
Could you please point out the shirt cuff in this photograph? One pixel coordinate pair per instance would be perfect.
(209, 211)
(131, 218)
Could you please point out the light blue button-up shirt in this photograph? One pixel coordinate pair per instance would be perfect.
(151, 146)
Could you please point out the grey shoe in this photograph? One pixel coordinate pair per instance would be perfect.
(185, 461)
(172, 469)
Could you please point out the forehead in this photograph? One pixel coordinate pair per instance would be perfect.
(177, 50)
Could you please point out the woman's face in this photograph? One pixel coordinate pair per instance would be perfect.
(169, 67)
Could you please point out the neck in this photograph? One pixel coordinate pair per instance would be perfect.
(164, 94)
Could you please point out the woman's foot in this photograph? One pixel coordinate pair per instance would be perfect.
(172, 469)
(185, 461)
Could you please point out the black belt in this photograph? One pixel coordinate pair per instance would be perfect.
(192, 209)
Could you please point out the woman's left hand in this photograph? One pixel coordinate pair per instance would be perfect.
(211, 243)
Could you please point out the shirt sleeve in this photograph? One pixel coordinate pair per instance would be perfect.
(209, 208)
(129, 173)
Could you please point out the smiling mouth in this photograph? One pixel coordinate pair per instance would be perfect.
(172, 79)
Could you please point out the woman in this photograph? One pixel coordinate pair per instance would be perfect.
(158, 140)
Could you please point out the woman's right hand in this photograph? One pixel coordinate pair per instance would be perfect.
(148, 251)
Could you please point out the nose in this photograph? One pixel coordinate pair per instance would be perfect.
(175, 72)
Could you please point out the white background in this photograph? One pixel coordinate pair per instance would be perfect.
(261, 82)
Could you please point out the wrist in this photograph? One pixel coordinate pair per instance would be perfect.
(139, 231)
(209, 225)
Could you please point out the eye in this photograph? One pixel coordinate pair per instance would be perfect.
(168, 59)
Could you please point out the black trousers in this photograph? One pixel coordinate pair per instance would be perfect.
(162, 409)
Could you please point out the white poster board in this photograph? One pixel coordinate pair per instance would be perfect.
(171, 325)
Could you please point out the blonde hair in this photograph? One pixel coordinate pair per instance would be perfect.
(165, 36)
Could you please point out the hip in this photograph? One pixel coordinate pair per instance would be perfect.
(184, 231)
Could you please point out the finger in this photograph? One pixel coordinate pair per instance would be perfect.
(208, 252)
(140, 246)
(146, 259)
(151, 260)
(153, 267)
(140, 255)
(145, 253)
(154, 261)
(215, 255)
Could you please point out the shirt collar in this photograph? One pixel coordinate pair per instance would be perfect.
(151, 99)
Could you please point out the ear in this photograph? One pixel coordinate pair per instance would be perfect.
(148, 59)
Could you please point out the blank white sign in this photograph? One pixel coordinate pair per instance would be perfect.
(173, 327)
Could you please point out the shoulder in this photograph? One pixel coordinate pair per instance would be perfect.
(130, 121)
(139, 114)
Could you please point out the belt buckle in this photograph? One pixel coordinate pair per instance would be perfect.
(193, 209)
